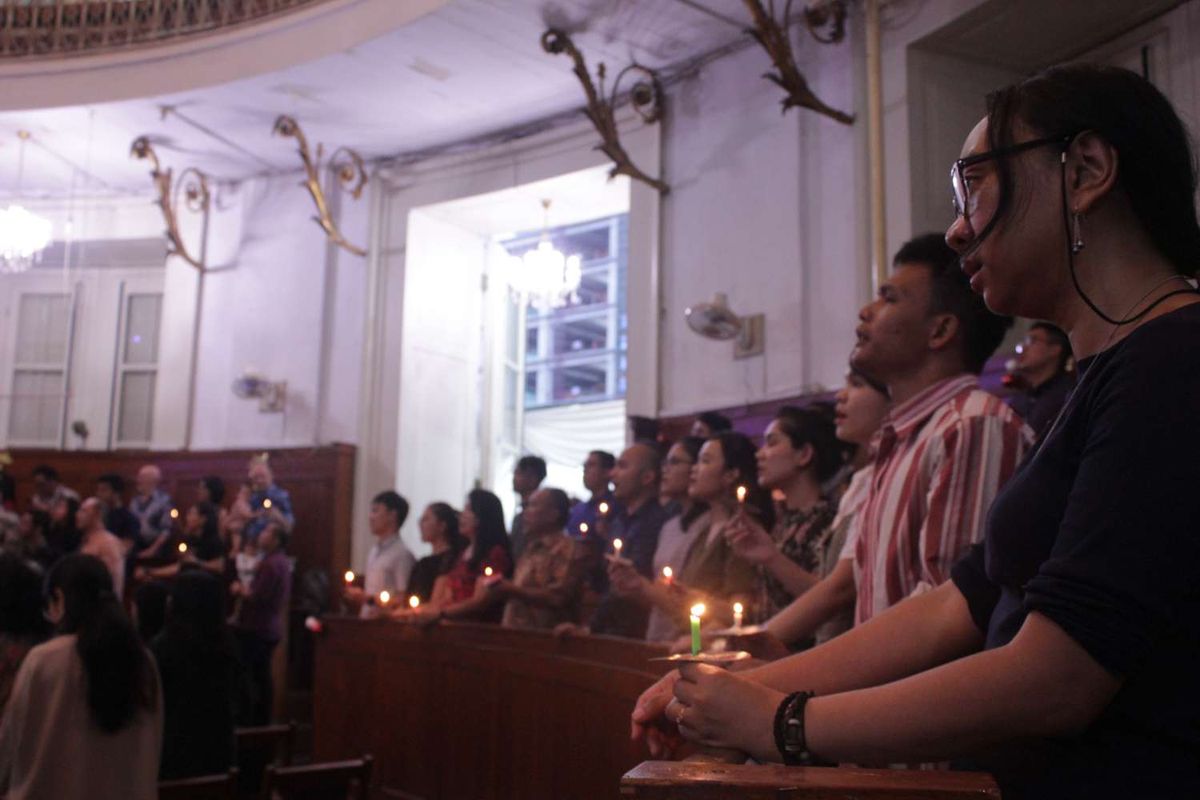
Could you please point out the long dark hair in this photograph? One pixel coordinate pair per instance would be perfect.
(739, 454)
(120, 679)
(1157, 167)
(21, 599)
(814, 425)
(215, 487)
(490, 513)
(211, 530)
(692, 445)
(456, 542)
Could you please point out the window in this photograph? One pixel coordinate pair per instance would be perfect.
(137, 368)
(576, 353)
(40, 362)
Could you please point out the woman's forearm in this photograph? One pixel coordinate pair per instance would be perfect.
(821, 603)
(917, 634)
(794, 578)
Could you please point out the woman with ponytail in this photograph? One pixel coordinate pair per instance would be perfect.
(85, 716)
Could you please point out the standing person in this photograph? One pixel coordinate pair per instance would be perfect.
(85, 718)
(62, 534)
(152, 507)
(1046, 365)
(100, 543)
(22, 625)
(201, 539)
(260, 618)
(118, 520)
(439, 529)
(709, 424)
(48, 490)
(943, 452)
(528, 475)
(800, 453)
(597, 468)
(267, 501)
(462, 592)
(389, 562)
(198, 664)
(1063, 655)
(546, 584)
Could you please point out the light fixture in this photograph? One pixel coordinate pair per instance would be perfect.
(543, 274)
(716, 320)
(24, 235)
(271, 395)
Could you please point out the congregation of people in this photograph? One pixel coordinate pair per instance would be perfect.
(923, 570)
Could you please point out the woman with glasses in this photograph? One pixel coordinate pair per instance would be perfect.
(1063, 656)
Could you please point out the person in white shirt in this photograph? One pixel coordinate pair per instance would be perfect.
(390, 562)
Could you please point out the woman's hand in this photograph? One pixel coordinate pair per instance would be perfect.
(648, 721)
(625, 580)
(716, 708)
(749, 540)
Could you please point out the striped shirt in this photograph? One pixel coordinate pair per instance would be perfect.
(940, 459)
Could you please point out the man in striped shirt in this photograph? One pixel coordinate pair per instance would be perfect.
(945, 448)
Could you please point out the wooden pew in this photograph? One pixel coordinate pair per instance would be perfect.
(681, 780)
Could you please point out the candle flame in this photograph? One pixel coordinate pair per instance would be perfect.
(741, 494)
(698, 610)
(174, 513)
(487, 572)
(183, 547)
(349, 576)
(603, 508)
(738, 608)
(583, 527)
(414, 601)
(267, 503)
(385, 597)
(617, 545)
(668, 572)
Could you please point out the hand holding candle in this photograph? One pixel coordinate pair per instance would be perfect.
(668, 575)
(617, 545)
(741, 495)
(697, 613)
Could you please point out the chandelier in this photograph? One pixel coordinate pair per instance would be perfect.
(543, 275)
(23, 234)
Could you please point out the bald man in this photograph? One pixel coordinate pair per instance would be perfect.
(152, 507)
(100, 543)
(635, 478)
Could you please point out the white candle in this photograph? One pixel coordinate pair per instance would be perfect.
(617, 545)
(741, 494)
(668, 575)
(737, 615)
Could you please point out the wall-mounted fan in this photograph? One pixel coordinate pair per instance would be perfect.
(716, 320)
(272, 395)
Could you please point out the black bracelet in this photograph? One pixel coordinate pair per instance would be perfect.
(789, 730)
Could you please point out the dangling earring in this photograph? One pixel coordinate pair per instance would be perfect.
(1076, 234)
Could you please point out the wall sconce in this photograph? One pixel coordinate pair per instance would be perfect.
(272, 395)
(772, 34)
(646, 96)
(347, 165)
(196, 199)
(716, 320)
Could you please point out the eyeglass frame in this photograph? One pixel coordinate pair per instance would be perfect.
(958, 183)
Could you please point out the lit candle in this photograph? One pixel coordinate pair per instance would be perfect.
(697, 613)
(414, 602)
(487, 572)
(617, 545)
(267, 503)
(738, 608)
(583, 528)
(741, 494)
(385, 597)
(668, 575)
(183, 547)
(603, 509)
(174, 513)
(349, 576)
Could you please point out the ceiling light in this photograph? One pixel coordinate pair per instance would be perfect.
(546, 277)
(23, 234)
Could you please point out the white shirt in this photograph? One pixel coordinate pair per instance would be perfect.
(388, 566)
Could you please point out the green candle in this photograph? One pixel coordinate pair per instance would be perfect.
(697, 612)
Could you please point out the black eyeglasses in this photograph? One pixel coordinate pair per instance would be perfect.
(959, 183)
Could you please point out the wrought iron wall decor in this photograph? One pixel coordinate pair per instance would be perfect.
(825, 21)
(646, 96)
(347, 166)
(191, 187)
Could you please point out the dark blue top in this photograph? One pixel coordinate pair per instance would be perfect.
(281, 501)
(1099, 531)
(638, 532)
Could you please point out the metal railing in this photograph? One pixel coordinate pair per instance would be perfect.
(56, 28)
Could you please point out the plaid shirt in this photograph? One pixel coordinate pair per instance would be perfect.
(940, 459)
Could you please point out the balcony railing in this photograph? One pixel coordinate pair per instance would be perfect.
(56, 28)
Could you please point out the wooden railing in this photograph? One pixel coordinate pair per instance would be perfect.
(30, 28)
(480, 711)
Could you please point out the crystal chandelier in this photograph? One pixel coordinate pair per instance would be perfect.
(544, 275)
(23, 234)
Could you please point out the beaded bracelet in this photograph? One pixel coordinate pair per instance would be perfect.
(789, 730)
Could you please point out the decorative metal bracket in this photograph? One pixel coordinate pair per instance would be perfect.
(348, 166)
(196, 198)
(772, 34)
(646, 95)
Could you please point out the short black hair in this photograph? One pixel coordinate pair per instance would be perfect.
(216, 488)
(534, 465)
(562, 506)
(45, 471)
(112, 481)
(715, 422)
(814, 425)
(950, 292)
(283, 533)
(1058, 337)
(393, 502)
(607, 459)
(655, 462)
